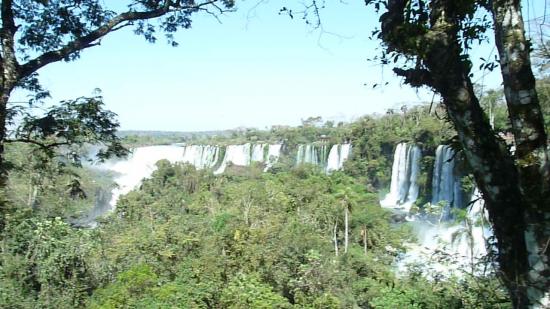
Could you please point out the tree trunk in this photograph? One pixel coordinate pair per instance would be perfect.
(346, 228)
(531, 142)
(446, 71)
(4, 96)
(335, 238)
(365, 239)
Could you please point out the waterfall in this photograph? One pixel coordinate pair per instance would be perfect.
(336, 157)
(404, 186)
(258, 152)
(201, 156)
(273, 154)
(320, 155)
(140, 164)
(446, 185)
(307, 154)
(237, 155)
(466, 242)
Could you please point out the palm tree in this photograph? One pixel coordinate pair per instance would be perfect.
(346, 196)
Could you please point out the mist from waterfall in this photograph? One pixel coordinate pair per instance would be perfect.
(404, 187)
(462, 242)
(450, 248)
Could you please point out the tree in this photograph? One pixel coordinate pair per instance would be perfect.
(346, 198)
(36, 33)
(433, 38)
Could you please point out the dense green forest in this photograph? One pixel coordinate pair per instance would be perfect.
(293, 237)
(280, 234)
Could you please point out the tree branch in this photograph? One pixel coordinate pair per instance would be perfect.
(89, 39)
(415, 77)
(34, 142)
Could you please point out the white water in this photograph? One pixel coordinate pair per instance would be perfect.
(320, 155)
(307, 154)
(442, 248)
(338, 154)
(237, 155)
(450, 248)
(140, 164)
(273, 155)
(446, 186)
(258, 152)
(404, 181)
(201, 156)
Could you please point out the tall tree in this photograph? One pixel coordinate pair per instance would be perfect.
(35, 33)
(434, 38)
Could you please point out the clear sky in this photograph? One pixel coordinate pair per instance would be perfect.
(257, 68)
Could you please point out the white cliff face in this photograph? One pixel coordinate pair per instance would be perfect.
(446, 185)
(404, 181)
(338, 154)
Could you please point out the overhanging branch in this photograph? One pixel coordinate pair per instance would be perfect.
(116, 23)
(415, 77)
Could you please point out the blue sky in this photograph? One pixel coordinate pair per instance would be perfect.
(257, 68)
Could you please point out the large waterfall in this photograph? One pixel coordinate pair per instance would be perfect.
(446, 184)
(404, 181)
(336, 157)
(140, 164)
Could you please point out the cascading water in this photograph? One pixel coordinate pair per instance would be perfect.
(446, 184)
(273, 154)
(237, 155)
(258, 152)
(404, 186)
(464, 242)
(140, 164)
(307, 154)
(201, 156)
(338, 154)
